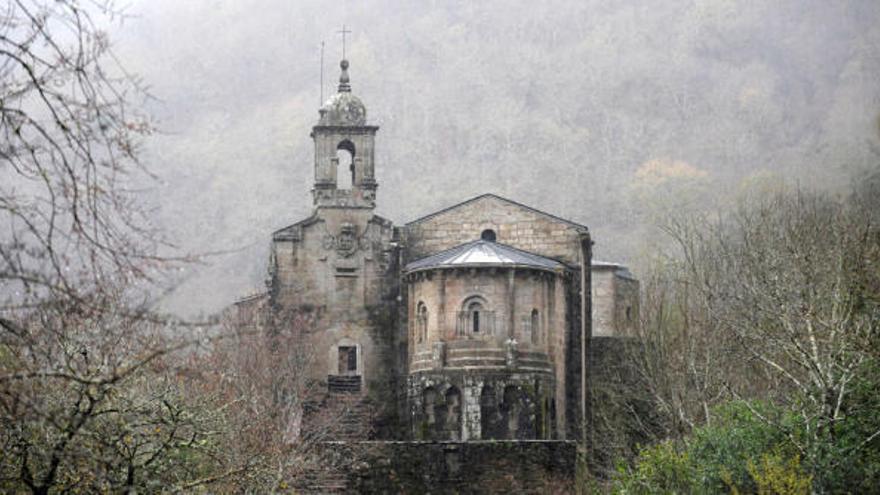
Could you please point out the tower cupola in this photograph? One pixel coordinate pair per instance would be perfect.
(343, 108)
(344, 150)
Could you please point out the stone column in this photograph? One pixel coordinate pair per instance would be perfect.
(471, 410)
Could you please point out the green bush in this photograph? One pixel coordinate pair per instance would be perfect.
(661, 468)
(738, 452)
(775, 475)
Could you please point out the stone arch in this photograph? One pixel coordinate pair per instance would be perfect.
(476, 317)
(345, 153)
(510, 411)
(490, 416)
(429, 412)
(517, 413)
(453, 413)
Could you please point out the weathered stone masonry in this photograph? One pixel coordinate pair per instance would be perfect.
(469, 324)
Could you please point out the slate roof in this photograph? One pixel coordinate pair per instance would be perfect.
(618, 268)
(484, 253)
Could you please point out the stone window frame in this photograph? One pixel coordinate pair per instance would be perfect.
(421, 322)
(530, 328)
(484, 317)
(347, 360)
(535, 326)
(349, 147)
(333, 357)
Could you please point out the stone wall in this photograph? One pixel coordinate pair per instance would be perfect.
(467, 467)
(340, 268)
(514, 224)
(615, 300)
(509, 298)
(626, 304)
(475, 405)
(439, 343)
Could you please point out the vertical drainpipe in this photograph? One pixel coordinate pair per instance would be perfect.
(511, 303)
(441, 309)
(586, 331)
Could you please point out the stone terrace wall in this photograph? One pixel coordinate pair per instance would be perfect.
(501, 466)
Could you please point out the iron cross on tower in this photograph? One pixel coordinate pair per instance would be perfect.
(343, 33)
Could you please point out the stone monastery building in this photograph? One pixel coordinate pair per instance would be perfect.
(471, 323)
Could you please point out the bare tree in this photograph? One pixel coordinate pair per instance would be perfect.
(68, 157)
(88, 399)
(279, 420)
(776, 300)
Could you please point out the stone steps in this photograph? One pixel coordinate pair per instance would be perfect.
(352, 416)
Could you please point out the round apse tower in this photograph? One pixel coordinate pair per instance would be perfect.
(486, 326)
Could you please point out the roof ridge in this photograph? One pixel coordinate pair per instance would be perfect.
(502, 198)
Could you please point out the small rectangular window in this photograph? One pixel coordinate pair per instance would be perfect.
(347, 360)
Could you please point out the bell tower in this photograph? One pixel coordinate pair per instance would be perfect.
(344, 150)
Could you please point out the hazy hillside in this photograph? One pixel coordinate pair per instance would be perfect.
(609, 113)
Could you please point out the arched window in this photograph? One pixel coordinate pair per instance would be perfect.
(488, 235)
(474, 309)
(535, 324)
(345, 153)
(422, 322)
(475, 317)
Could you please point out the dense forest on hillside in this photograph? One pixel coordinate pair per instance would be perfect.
(605, 113)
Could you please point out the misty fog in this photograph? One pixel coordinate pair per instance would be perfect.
(611, 114)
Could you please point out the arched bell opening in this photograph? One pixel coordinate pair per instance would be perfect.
(345, 153)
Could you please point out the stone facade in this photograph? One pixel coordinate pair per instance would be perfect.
(515, 224)
(489, 342)
(615, 294)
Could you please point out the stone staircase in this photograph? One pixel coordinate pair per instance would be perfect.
(353, 416)
(343, 417)
(344, 384)
(323, 480)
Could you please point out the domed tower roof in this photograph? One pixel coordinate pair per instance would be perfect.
(343, 108)
(484, 254)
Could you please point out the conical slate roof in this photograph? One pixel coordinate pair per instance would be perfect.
(483, 253)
